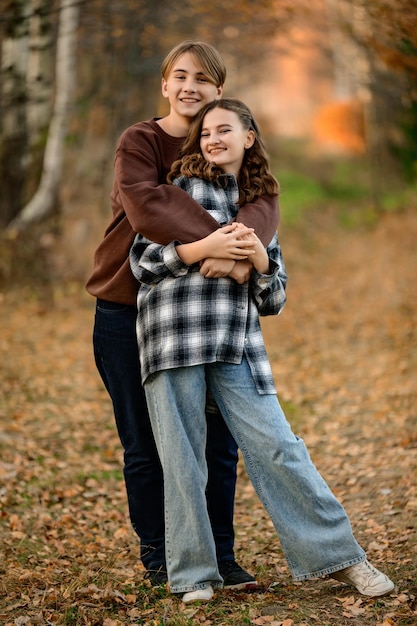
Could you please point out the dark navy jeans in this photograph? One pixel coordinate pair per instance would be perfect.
(117, 360)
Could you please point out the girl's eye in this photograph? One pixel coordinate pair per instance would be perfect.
(204, 135)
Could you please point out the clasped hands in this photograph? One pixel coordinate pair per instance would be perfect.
(233, 245)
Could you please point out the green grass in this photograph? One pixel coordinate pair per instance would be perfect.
(299, 193)
(310, 184)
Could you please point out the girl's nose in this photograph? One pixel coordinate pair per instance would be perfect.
(214, 138)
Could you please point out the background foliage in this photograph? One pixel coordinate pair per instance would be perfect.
(369, 50)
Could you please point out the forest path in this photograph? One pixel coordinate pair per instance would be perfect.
(344, 355)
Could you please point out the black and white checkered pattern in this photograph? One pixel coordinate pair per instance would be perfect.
(186, 319)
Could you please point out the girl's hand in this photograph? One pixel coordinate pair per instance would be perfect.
(259, 258)
(231, 242)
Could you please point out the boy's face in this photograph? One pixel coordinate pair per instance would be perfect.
(188, 88)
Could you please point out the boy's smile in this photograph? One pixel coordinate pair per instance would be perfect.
(188, 88)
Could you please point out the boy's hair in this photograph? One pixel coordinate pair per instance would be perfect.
(208, 57)
(254, 178)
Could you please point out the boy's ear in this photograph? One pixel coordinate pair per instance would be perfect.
(164, 88)
(219, 93)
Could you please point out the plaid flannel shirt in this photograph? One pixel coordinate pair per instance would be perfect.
(186, 319)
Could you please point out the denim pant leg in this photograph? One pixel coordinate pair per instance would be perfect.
(176, 401)
(117, 360)
(222, 458)
(313, 528)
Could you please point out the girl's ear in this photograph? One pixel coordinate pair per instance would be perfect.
(250, 140)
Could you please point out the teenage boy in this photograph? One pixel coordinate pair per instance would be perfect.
(193, 74)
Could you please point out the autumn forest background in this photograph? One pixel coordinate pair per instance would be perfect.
(333, 84)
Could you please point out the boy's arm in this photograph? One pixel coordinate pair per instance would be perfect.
(163, 212)
(262, 215)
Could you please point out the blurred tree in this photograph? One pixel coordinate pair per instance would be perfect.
(120, 47)
(131, 39)
(395, 43)
(43, 202)
(26, 40)
(374, 48)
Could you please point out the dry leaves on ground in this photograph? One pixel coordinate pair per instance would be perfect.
(344, 355)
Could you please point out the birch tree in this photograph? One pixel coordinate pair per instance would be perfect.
(44, 200)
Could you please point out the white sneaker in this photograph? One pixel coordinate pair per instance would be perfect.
(367, 579)
(203, 595)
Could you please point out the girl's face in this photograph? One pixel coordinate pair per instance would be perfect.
(188, 88)
(224, 139)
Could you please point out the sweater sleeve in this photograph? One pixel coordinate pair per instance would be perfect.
(262, 215)
(160, 212)
(164, 213)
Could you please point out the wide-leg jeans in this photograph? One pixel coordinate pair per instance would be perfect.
(117, 360)
(313, 528)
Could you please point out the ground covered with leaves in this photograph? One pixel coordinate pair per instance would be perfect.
(344, 354)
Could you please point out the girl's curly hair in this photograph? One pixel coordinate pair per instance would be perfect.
(254, 178)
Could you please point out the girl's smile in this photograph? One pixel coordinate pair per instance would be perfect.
(224, 139)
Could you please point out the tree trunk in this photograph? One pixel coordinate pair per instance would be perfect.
(39, 68)
(13, 128)
(45, 199)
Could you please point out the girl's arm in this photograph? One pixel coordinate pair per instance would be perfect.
(151, 262)
(268, 288)
(229, 242)
(259, 258)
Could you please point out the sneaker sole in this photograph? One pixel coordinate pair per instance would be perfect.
(197, 599)
(249, 585)
(376, 594)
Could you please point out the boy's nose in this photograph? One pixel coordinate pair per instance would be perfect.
(189, 85)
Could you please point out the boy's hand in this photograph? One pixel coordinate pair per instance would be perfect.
(216, 268)
(241, 272)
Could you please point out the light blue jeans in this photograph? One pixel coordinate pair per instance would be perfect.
(313, 528)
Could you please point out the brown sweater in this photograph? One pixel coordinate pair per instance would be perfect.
(143, 203)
